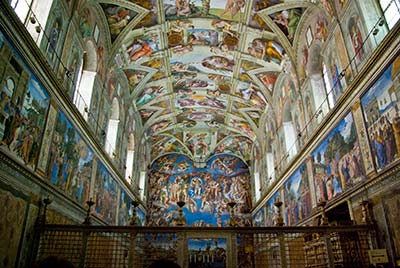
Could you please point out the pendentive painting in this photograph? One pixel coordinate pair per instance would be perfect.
(71, 160)
(381, 109)
(297, 196)
(337, 163)
(206, 190)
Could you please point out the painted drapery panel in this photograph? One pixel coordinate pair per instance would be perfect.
(206, 190)
(71, 161)
(337, 163)
(105, 195)
(381, 112)
(297, 196)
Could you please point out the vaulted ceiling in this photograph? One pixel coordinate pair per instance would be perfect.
(204, 74)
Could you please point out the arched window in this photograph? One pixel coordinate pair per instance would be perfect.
(142, 184)
(270, 167)
(21, 8)
(112, 129)
(329, 89)
(257, 182)
(391, 11)
(289, 132)
(130, 158)
(85, 80)
(32, 13)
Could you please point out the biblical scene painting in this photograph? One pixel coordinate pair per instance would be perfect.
(297, 196)
(224, 9)
(258, 218)
(287, 21)
(207, 252)
(381, 109)
(105, 195)
(355, 36)
(23, 109)
(71, 161)
(125, 209)
(271, 210)
(118, 18)
(206, 190)
(337, 163)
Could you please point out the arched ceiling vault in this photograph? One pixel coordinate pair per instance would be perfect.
(202, 74)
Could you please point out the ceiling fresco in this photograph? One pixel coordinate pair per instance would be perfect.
(203, 74)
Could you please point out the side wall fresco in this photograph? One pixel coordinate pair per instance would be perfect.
(37, 134)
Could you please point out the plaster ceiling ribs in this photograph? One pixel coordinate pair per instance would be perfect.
(204, 75)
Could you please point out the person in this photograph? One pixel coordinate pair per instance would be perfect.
(164, 264)
(56, 262)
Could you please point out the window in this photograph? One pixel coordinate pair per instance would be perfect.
(21, 8)
(33, 14)
(290, 139)
(142, 184)
(328, 88)
(112, 129)
(85, 80)
(129, 158)
(391, 11)
(270, 167)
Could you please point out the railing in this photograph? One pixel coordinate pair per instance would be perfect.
(138, 247)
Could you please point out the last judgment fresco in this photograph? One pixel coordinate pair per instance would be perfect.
(206, 190)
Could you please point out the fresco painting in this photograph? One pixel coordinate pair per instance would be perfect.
(118, 18)
(206, 191)
(125, 209)
(201, 60)
(234, 145)
(287, 21)
(334, 64)
(105, 195)
(151, 18)
(134, 77)
(224, 9)
(207, 252)
(22, 114)
(258, 218)
(271, 210)
(86, 23)
(187, 101)
(266, 49)
(150, 93)
(337, 163)
(251, 95)
(255, 20)
(71, 161)
(136, 49)
(381, 110)
(297, 196)
(355, 35)
(268, 79)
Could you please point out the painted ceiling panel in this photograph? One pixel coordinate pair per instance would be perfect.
(202, 74)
